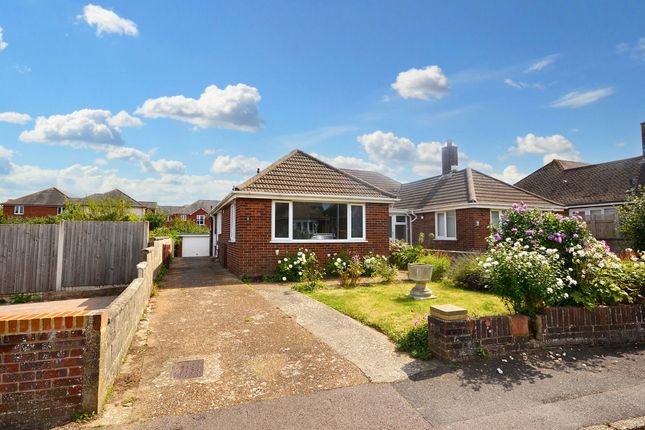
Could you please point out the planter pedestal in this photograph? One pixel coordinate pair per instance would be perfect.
(421, 274)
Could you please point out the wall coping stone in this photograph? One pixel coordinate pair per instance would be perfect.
(448, 312)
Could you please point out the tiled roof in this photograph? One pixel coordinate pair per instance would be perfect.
(377, 179)
(576, 184)
(49, 197)
(173, 210)
(300, 173)
(207, 205)
(115, 194)
(462, 188)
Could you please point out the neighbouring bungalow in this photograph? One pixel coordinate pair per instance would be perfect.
(299, 202)
(52, 201)
(198, 212)
(456, 207)
(591, 190)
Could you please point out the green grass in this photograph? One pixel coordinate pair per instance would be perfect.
(387, 308)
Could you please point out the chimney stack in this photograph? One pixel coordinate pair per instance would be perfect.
(449, 159)
(643, 137)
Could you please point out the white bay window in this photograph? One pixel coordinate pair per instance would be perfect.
(318, 221)
(445, 225)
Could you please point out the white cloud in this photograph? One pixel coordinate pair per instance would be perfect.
(234, 107)
(81, 127)
(209, 151)
(169, 167)
(106, 21)
(345, 162)
(100, 161)
(520, 84)
(481, 166)
(3, 44)
(80, 180)
(552, 147)
(576, 99)
(637, 51)
(238, 164)
(542, 63)
(511, 174)
(422, 83)
(5, 157)
(14, 117)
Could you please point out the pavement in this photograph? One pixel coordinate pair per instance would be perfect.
(272, 359)
(370, 350)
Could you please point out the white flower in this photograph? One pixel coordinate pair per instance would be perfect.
(284, 278)
(300, 273)
(285, 259)
(290, 266)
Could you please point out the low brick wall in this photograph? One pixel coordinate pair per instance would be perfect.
(55, 364)
(464, 339)
(49, 367)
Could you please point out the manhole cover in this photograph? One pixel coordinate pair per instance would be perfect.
(188, 369)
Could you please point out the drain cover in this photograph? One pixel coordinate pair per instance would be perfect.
(188, 369)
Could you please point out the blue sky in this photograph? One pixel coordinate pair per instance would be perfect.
(183, 101)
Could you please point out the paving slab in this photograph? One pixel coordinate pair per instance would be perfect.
(367, 348)
(364, 407)
(210, 341)
(33, 308)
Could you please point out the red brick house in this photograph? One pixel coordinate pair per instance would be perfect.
(198, 212)
(39, 204)
(457, 207)
(299, 202)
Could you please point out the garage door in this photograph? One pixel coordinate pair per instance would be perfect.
(195, 246)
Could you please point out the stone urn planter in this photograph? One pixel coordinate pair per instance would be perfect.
(421, 274)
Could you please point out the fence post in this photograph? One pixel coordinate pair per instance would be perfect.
(59, 256)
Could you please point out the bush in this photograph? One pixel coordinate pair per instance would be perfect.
(540, 259)
(440, 264)
(377, 266)
(469, 274)
(301, 266)
(632, 217)
(50, 219)
(349, 272)
(155, 220)
(178, 227)
(337, 257)
(415, 340)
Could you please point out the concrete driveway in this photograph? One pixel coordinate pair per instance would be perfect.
(210, 341)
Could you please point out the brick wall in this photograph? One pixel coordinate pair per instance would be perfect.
(48, 367)
(470, 236)
(253, 254)
(604, 325)
(32, 211)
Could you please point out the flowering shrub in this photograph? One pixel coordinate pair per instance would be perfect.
(402, 253)
(334, 260)
(540, 259)
(378, 266)
(349, 272)
(632, 217)
(297, 267)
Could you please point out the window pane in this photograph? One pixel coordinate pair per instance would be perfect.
(494, 218)
(319, 221)
(357, 221)
(400, 218)
(281, 227)
(441, 224)
(451, 224)
(399, 232)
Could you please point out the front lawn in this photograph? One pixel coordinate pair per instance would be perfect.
(387, 308)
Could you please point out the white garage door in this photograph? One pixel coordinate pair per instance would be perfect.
(195, 246)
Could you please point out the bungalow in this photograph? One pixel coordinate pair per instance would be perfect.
(456, 207)
(49, 202)
(299, 202)
(134, 206)
(198, 212)
(591, 190)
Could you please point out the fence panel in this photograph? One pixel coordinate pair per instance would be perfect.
(28, 258)
(99, 253)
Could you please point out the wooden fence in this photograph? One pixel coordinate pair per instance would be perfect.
(48, 257)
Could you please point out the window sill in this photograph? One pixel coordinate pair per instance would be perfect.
(318, 241)
(445, 238)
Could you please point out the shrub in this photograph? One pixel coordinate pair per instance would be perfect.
(632, 217)
(302, 265)
(377, 266)
(371, 263)
(415, 340)
(333, 259)
(542, 259)
(156, 219)
(469, 274)
(350, 272)
(440, 264)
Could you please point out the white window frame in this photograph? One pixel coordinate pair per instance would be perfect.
(394, 223)
(202, 218)
(499, 216)
(19, 210)
(184, 217)
(59, 210)
(290, 239)
(232, 222)
(438, 236)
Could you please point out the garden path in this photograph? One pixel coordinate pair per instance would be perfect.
(367, 348)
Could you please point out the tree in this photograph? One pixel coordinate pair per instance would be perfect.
(156, 220)
(632, 218)
(108, 209)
